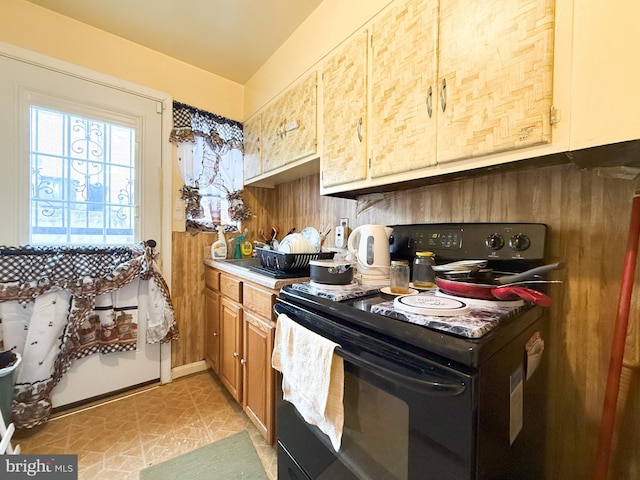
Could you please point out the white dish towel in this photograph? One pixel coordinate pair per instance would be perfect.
(312, 376)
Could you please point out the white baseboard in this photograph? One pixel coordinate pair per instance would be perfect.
(188, 369)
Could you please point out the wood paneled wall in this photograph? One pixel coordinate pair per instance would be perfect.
(588, 215)
(187, 281)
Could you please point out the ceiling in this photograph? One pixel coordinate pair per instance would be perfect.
(230, 38)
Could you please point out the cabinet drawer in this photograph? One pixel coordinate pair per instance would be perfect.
(258, 300)
(212, 278)
(231, 287)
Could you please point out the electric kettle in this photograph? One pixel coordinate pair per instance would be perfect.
(370, 245)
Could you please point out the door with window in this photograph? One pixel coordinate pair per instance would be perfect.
(81, 164)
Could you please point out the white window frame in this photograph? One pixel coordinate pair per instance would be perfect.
(66, 107)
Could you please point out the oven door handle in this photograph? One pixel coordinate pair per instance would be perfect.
(408, 379)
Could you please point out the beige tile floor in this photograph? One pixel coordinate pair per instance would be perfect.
(117, 439)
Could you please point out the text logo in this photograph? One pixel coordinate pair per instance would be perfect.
(39, 467)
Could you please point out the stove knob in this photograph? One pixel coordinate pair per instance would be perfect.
(494, 241)
(519, 242)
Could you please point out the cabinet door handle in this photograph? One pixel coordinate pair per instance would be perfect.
(443, 94)
(215, 334)
(430, 101)
(236, 354)
(359, 130)
(243, 361)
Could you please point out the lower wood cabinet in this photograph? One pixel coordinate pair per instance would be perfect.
(212, 328)
(212, 318)
(231, 347)
(258, 385)
(239, 341)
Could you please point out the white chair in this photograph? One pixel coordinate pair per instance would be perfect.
(5, 439)
(6, 432)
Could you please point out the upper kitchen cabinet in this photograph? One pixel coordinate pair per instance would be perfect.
(495, 69)
(252, 160)
(605, 93)
(281, 140)
(289, 125)
(403, 78)
(344, 118)
(453, 86)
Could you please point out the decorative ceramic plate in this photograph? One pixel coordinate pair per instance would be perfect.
(461, 265)
(430, 305)
(423, 288)
(327, 286)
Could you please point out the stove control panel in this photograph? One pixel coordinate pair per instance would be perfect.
(465, 241)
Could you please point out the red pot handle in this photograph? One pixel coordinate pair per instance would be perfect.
(539, 298)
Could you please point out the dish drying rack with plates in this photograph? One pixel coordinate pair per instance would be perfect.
(287, 265)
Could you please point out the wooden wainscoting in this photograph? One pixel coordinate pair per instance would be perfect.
(187, 279)
(187, 294)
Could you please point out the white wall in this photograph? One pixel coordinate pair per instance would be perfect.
(329, 25)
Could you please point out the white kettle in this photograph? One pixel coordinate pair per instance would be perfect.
(370, 245)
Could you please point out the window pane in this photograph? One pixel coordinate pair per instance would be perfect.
(82, 180)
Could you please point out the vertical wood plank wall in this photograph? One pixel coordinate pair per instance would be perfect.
(588, 216)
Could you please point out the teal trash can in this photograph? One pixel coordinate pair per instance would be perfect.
(7, 382)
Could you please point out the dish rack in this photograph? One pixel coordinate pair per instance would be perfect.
(287, 262)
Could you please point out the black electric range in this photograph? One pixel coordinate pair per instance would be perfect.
(425, 400)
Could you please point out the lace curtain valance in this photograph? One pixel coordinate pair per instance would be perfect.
(210, 162)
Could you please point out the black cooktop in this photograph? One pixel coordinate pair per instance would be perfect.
(513, 247)
(356, 314)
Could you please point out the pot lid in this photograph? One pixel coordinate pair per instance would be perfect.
(430, 305)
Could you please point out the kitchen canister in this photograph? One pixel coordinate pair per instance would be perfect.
(423, 275)
(399, 277)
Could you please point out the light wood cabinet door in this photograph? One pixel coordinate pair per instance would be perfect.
(212, 328)
(258, 395)
(495, 62)
(231, 347)
(289, 125)
(403, 78)
(344, 118)
(252, 160)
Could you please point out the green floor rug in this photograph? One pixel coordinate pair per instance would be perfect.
(230, 458)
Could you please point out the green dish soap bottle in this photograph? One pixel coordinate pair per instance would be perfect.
(238, 251)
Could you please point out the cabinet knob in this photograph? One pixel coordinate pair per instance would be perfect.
(215, 334)
(236, 354)
(243, 361)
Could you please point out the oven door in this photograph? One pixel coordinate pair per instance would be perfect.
(406, 416)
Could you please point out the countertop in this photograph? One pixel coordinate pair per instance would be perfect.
(239, 269)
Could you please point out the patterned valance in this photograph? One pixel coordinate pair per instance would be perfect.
(60, 292)
(189, 121)
(210, 149)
